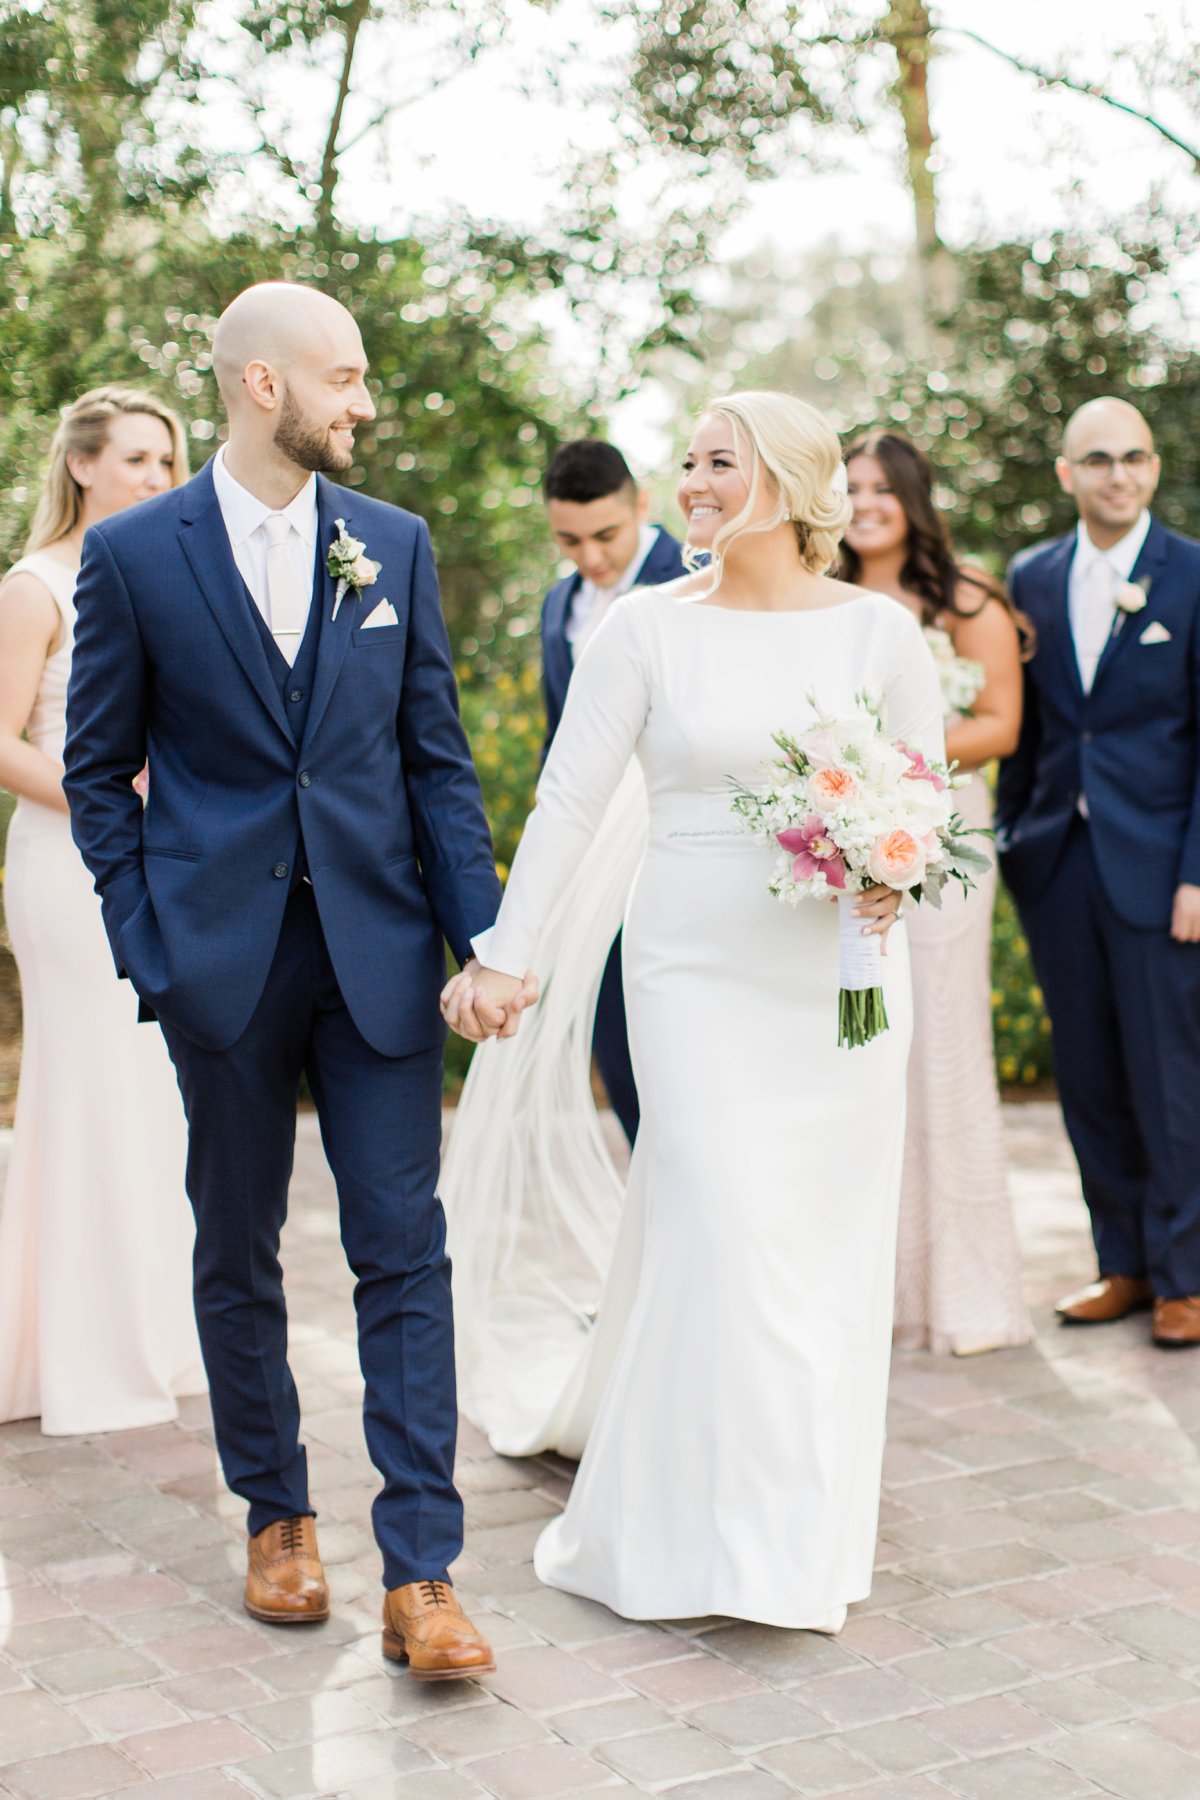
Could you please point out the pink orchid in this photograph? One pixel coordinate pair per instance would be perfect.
(814, 852)
(920, 769)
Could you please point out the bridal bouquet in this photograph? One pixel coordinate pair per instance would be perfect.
(847, 807)
(961, 679)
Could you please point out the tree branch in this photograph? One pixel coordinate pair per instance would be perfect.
(329, 169)
(395, 106)
(1089, 89)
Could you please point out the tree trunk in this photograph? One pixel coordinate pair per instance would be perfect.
(909, 28)
(354, 18)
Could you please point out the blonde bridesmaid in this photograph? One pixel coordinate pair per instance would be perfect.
(958, 1277)
(96, 1324)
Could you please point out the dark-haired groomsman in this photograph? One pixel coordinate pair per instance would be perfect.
(1098, 817)
(599, 518)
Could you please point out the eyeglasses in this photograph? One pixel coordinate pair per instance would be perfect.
(1101, 463)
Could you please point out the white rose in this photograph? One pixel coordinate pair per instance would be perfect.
(1130, 597)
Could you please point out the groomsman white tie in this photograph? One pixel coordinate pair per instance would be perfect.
(1094, 616)
(286, 596)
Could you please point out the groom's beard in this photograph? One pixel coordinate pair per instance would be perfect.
(306, 445)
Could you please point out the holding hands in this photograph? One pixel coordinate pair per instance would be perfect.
(480, 1003)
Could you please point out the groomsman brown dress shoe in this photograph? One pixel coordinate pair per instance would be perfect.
(1177, 1322)
(1112, 1297)
(425, 1627)
(285, 1583)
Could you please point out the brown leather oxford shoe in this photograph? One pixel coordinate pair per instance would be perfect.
(285, 1583)
(1112, 1297)
(1177, 1322)
(425, 1627)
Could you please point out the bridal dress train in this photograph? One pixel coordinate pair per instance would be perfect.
(728, 1395)
(97, 1331)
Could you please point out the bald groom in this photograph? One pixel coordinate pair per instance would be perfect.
(1098, 820)
(274, 644)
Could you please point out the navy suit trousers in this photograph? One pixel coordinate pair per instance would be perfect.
(1125, 1007)
(610, 1045)
(380, 1123)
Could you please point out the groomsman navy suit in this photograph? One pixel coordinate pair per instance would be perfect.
(314, 832)
(1098, 820)
(598, 518)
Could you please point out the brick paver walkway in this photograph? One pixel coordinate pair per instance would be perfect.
(1034, 1633)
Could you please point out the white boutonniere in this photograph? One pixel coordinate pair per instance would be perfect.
(1129, 598)
(348, 565)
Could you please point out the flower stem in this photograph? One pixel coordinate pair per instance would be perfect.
(862, 1015)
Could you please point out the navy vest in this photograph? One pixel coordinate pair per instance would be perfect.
(296, 683)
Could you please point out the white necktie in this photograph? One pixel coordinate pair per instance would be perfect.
(1094, 623)
(286, 598)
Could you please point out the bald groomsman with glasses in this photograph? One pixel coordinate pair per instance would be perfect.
(1098, 823)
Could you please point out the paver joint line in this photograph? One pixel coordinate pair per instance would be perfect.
(1033, 1632)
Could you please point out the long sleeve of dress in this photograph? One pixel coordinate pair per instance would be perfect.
(912, 701)
(607, 705)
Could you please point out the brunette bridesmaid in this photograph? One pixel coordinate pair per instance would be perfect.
(958, 1278)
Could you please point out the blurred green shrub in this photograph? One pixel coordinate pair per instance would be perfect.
(505, 721)
(1020, 1028)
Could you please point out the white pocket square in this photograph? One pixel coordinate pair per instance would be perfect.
(1155, 634)
(384, 614)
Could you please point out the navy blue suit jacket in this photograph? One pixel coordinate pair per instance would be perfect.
(1131, 745)
(664, 563)
(170, 663)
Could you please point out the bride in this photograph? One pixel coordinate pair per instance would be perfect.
(729, 1396)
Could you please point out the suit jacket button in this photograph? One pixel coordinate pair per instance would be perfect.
(1085, 737)
(296, 695)
(305, 778)
(279, 871)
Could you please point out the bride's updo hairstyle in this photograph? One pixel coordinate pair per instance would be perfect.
(83, 430)
(793, 447)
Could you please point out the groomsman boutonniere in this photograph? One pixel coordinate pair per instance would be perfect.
(1130, 598)
(348, 566)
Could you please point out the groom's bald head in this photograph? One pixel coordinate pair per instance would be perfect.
(291, 368)
(280, 323)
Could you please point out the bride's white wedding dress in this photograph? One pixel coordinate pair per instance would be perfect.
(731, 1392)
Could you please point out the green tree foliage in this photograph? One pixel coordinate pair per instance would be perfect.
(1036, 331)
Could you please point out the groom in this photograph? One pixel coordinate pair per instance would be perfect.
(314, 831)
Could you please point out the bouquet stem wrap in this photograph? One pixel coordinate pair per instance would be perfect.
(862, 1014)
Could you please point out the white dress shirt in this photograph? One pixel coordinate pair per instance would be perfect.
(245, 517)
(1091, 589)
(590, 603)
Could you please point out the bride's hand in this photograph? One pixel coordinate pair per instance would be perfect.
(879, 906)
(528, 996)
(481, 1003)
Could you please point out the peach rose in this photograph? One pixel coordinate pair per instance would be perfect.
(897, 859)
(364, 572)
(833, 787)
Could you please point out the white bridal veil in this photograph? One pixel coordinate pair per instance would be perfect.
(533, 1200)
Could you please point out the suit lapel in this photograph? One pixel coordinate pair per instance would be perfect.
(664, 561)
(333, 503)
(205, 543)
(1055, 630)
(557, 643)
(1146, 569)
